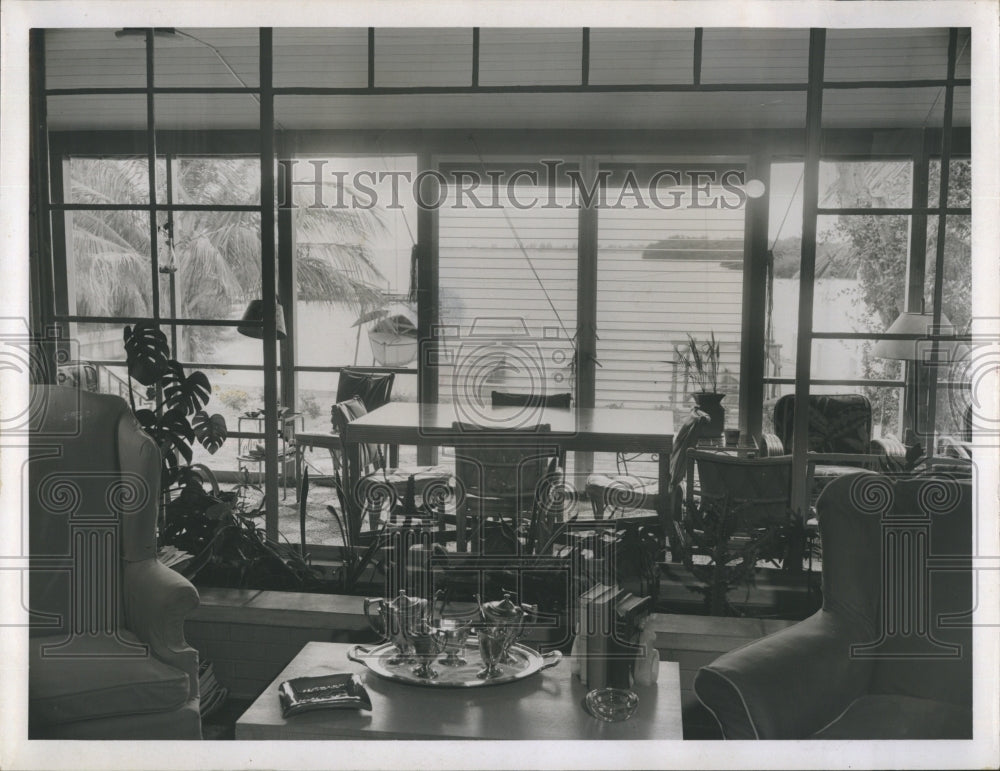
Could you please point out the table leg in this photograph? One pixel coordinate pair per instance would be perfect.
(665, 507)
(354, 512)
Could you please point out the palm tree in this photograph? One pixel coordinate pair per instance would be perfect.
(216, 255)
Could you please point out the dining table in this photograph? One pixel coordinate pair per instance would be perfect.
(581, 429)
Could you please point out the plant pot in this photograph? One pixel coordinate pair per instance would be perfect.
(711, 404)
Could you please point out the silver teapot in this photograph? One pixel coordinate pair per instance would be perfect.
(507, 618)
(397, 621)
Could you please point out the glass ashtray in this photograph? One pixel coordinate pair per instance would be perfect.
(612, 705)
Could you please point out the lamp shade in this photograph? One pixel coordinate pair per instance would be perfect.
(251, 324)
(921, 327)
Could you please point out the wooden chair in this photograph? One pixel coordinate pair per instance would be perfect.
(840, 438)
(373, 389)
(380, 485)
(623, 491)
(499, 484)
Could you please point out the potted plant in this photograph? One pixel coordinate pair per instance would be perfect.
(178, 418)
(701, 367)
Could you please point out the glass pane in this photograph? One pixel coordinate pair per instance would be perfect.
(641, 56)
(105, 180)
(234, 392)
(95, 112)
(959, 182)
(354, 237)
(97, 342)
(108, 265)
(850, 359)
(508, 280)
(423, 57)
(855, 184)
(886, 401)
(664, 273)
(860, 272)
(785, 237)
(215, 261)
(527, 57)
(216, 181)
(888, 54)
(957, 289)
(891, 107)
(328, 58)
(207, 111)
(220, 345)
(755, 56)
(221, 58)
(94, 58)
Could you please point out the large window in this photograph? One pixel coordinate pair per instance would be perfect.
(866, 266)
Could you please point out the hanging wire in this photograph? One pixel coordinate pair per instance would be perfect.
(503, 210)
(222, 59)
(769, 325)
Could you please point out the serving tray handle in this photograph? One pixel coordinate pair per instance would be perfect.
(353, 654)
(550, 659)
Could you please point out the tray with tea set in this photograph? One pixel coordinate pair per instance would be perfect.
(460, 667)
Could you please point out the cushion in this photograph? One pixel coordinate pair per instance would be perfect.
(97, 684)
(892, 716)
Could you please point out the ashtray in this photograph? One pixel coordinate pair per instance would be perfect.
(304, 694)
(612, 705)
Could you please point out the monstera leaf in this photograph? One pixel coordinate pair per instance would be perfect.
(174, 435)
(209, 430)
(186, 393)
(146, 352)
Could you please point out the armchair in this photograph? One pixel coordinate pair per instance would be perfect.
(108, 658)
(889, 655)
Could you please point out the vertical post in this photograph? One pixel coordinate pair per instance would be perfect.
(475, 57)
(287, 279)
(586, 305)
(753, 343)
(932, 374)
(807, 272)
(39, 235)
(428, 292)
(268, 285)
(371, 57)
(585, 58)
(699, 34)
(154, 256)
(916, 272)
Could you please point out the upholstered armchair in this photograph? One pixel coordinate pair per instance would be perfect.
(889, 655)
(108, 658)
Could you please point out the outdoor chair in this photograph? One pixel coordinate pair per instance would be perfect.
(380, 484)
(502, 486)
(840, 432)
(107, 655)
(373, 389)
(752, 495)
(616, 493)
(889, 654)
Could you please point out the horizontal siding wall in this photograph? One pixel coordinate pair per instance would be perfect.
(664, 273)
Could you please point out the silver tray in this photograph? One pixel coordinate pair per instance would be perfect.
(527, 662)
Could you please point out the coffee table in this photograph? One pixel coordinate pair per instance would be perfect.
(547, 705)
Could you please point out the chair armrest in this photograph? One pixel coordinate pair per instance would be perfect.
(157, 600)
(788, 685)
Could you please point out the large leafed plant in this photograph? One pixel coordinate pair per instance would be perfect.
(178, 418)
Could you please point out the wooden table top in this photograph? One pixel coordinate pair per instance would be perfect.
(547, 705)
(598, 429)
